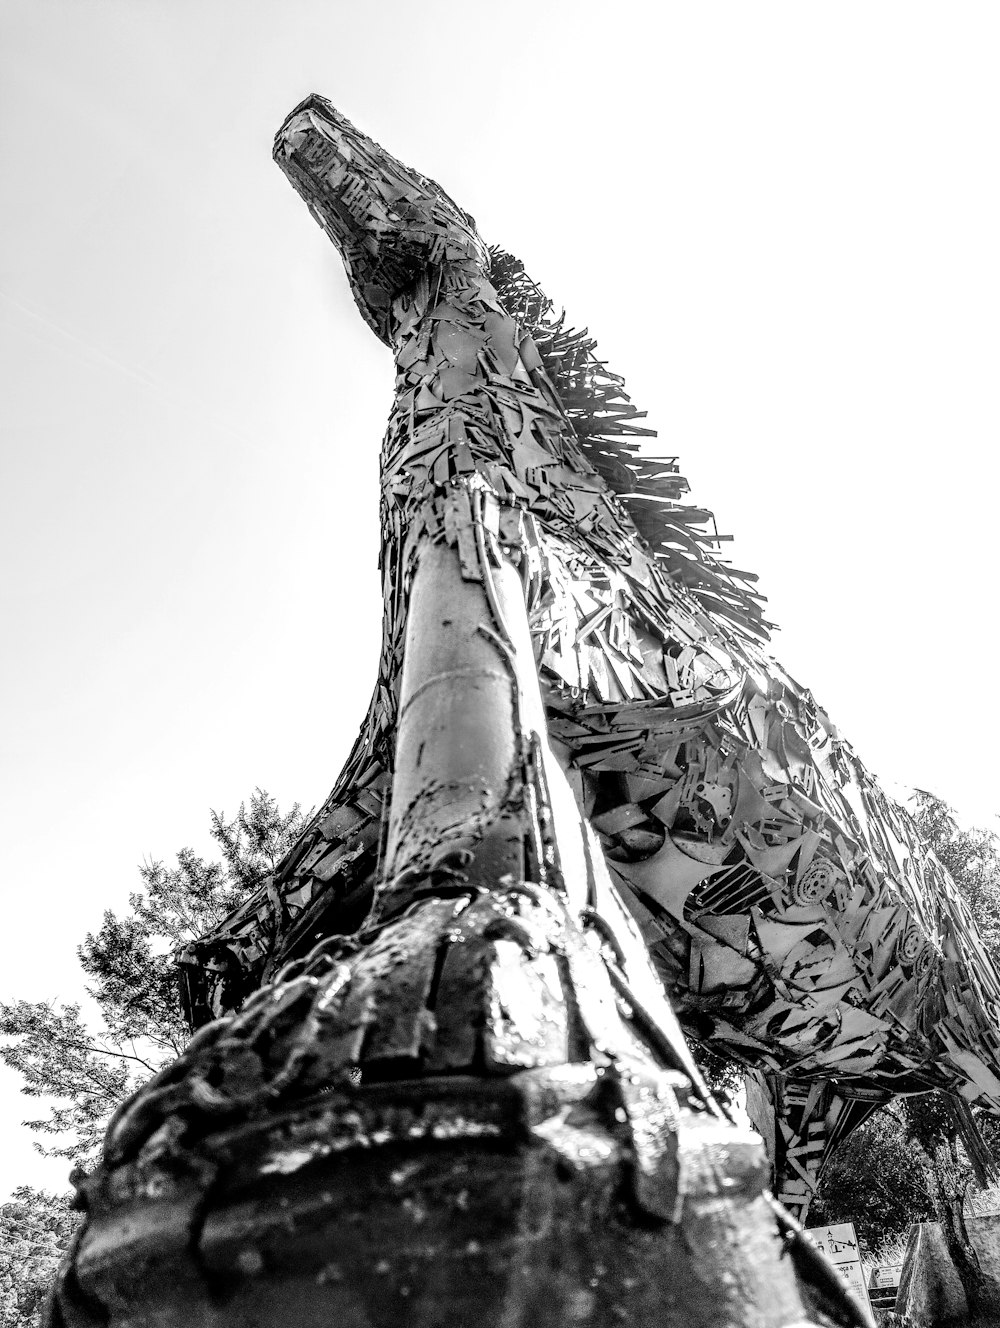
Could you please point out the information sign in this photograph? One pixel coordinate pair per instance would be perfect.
(840, 1245)
(887, 1275)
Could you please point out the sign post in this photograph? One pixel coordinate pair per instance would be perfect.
(840, 1245)
(883, 1286)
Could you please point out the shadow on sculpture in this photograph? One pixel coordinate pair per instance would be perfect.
(437, 1078)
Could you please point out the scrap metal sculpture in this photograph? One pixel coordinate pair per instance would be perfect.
(438, 1078)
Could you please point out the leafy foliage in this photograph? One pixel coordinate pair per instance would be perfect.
(35, 1228)
(973, 859)
(59, 1058)
(723, 1076)
(84, 1072)
(130, 967)
(875, 1180)
(909, 1163)
(255, 841)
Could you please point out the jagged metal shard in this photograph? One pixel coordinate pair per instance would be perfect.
(578, 754)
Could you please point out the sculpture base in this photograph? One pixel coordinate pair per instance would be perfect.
(452, 1201)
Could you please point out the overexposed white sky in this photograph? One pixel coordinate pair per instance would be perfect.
(779, 219)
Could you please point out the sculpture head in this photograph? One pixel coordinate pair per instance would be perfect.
(390, 223)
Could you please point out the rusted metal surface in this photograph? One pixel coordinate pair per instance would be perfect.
(460, 1201)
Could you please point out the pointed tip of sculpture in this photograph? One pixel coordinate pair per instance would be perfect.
(314, 104)
(314, 101)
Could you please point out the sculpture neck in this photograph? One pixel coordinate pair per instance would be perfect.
(471, 395)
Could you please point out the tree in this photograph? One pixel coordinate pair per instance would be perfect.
(956, 1142)
(35, 1227)
(86, 1070)
(918, 1158)
(876, 1181)
(946, 1139)
(973, 859)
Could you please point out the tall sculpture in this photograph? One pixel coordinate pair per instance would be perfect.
(450, 1085)
(788, 904)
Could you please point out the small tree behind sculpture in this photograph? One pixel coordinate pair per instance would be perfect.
(35, 1228)
(949, 1147)
(933, 1124)
(917, 1159)
(84, 1071)
(875, 1180)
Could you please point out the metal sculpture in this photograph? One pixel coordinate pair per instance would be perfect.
(577, 754)
(788, 904)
